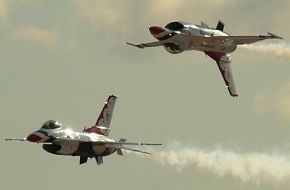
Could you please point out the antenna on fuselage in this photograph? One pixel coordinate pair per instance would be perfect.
(204, 25)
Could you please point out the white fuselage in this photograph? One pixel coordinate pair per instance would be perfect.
(66, 141)
(191, 37)
(200, 45)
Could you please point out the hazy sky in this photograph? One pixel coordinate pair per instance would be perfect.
(61, 59)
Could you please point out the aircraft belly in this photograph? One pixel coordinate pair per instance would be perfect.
(81, 149)
(102, 150)
(69, 148)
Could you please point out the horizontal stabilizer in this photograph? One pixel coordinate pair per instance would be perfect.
(275, 36)
(119, 152)
(135, 150)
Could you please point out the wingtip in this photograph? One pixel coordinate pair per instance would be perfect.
(231, 93)
(131, 44)
(113, 96)
(140, 46)
(275, 36)
(128, 43)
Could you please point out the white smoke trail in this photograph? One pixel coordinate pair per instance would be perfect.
(281, 50)
(253, 167)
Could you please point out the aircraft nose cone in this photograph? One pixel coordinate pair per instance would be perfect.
(156, 30)
(33, 138)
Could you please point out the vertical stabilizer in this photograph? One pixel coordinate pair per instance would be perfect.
(102, 125)
(220, 26)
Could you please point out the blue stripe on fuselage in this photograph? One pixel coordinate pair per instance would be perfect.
(44, 133)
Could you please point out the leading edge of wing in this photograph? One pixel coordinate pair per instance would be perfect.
(268, 36)
(59, 139)
(120, 145)
(239, 40)
(127, 143)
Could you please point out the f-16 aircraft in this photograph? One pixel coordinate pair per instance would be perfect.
(91, 142)
(177, 37)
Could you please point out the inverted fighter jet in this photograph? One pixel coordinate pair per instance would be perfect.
(177, 37)
(91, 142)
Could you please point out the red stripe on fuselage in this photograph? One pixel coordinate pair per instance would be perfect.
(94, 129)
(154, 30)
(33, 138)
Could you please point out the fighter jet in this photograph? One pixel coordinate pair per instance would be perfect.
(92, 142)
(177, 37)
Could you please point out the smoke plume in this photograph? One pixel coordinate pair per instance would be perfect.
(252, 167)
(281, 50)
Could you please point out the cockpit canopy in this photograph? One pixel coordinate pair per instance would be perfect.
(51, 124)
(175, 26)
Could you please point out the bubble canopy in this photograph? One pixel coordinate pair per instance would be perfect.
(175, 26)
(51, 124)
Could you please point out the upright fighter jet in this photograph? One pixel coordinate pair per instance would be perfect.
(177, 37)
(91, 142)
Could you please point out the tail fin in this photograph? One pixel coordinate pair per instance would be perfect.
(102, 125)
(220, 26)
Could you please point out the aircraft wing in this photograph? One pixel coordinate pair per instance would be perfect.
(117, 145)
(239, 40)
(135, 150)
(126, 143)
(223, 62)
(226, 71)
(120, 145)
(150, 44)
